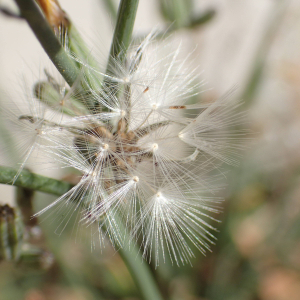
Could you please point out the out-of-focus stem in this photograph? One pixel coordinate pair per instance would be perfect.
(202, 19)
(44, 33)
(256, 71)
(110, 6)
(140, 272)
(24, 198)
(7, 12)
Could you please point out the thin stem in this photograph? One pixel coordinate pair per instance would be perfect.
(39, 25)
(140, 272)
(122, 35)
(202, 19)
(33, 181)
(78, 47)
(123, 31)
(180, 11)
(7, 12)
(262, 51)
(121, 39)
(24, 198)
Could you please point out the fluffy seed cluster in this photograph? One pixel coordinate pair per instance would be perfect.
(146, 154)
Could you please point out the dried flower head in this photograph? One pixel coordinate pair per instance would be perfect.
(145, 153)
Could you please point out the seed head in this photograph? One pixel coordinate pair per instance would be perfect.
(146, 156)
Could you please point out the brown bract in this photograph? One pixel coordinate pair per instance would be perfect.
(56, 17)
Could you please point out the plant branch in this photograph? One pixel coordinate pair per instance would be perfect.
(123, 31)
(140, 272)
(36, 182)
(44, 33)
(124, 27)
(121, 39)
(9, 13)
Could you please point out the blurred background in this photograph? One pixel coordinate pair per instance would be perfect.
(253, 45)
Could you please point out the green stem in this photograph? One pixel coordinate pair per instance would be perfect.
(181, 10)
(121, 39)
(79, 48)
(29, 180)
(202, 19)
(140, 271)
(44, 33)
(110, 7)
(123, 31)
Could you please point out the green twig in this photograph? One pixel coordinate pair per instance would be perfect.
(202, 19)
(9, 13)
(79, 48)
(121, 39)
(123, 31)
(192, 23)
(176, 11)
(42, 30)
(33, 181)
(140, 272)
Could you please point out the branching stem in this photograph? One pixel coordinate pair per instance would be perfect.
(33, 181)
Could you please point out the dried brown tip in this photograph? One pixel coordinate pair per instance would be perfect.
(56, 17)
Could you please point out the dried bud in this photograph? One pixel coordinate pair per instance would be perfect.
(56, 17)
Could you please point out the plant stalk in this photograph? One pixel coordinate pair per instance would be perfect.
(140, 272)
(259, 61)
(32, 181)
(122, 37)
(124, 27)
(44, 33)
